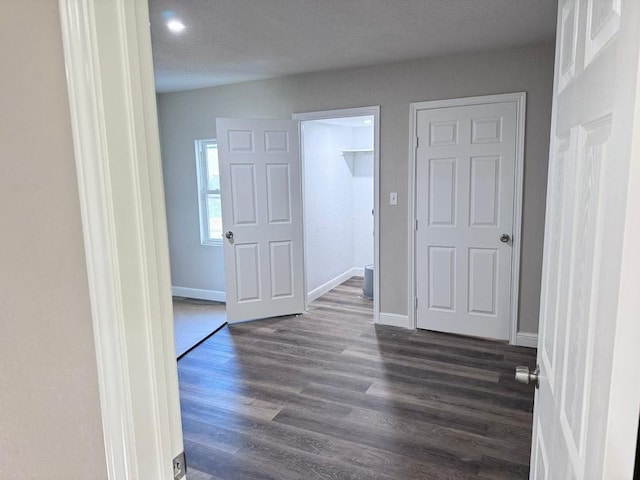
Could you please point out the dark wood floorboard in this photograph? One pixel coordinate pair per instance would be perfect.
(329, 395)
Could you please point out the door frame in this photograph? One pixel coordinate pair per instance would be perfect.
(131, 83)
(519, 98)
(373, 110)
(113, 114)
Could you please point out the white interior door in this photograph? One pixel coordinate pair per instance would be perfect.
(584, 428)
(465, 182)
(261, 198)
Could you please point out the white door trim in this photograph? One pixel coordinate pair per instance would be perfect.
(621, 437)
(107, 50)
(373, 110)
(519, 99)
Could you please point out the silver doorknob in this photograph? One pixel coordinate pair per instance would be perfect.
(504, 238)
(229, 235)
(523, 375)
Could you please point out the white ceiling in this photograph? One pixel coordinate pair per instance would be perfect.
(231, 41)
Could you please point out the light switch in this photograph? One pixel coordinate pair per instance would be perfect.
(393, 198)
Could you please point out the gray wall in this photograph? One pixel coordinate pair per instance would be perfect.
(50, 424)
(185, 116)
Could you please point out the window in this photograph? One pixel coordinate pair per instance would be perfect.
(209, 192)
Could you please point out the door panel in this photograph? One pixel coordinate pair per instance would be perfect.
(247, 272)
(443, 134)
(240, 140)
(261, 205)
(485, 191)
(486, 130)
(442, 278)
(281, 264)
(465, 176)
(243, 194)
(278, 193)
(483, 266)
(276, 141)
(576, 422)
(442, 191)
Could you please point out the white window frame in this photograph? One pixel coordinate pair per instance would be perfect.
(203, 191)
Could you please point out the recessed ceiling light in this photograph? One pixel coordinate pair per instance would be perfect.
(367, 122)
(176, 26)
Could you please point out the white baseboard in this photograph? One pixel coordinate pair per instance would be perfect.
(525, 339)
(394, 320)
(333, 283)
(199, 294)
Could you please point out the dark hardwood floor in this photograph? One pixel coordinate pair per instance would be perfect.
(329, 395)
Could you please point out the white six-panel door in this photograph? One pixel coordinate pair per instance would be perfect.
(261, 196)
(582, 426)
(465, 165)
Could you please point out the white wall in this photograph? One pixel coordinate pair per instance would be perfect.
(338, 198)
(50, 419)
(185, 116)
(327, 203)
(362, 137)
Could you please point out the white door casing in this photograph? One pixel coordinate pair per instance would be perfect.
(373, 110)
(261, 191)
(611, 447)
(466, 165)
(586, 410)
(109, 69)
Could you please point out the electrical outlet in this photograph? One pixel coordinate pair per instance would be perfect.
(393, 198)
(179, 466)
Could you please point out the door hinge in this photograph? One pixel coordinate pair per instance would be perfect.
(416, 303)
(179, 466)
(417, 142)
(416, 225)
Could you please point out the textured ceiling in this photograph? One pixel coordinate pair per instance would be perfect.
(230, 41)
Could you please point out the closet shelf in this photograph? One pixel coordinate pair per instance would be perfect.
(356, 151)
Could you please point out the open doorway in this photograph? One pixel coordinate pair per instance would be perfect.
(199, 312)
(339, 154)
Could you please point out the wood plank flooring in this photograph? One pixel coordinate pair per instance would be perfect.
(194, 320)
(329, 395)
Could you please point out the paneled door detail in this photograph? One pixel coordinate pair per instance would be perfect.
(465, 178)
(581, 428)
(260, 188)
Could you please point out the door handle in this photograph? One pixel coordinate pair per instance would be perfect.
(504, 238)
(523, 375)
(229, 235)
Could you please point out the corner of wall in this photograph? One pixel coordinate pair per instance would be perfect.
(527, 339)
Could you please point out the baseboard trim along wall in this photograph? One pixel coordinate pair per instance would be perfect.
(524, 339)
(357, 272)
(395, 320)
(199, 294)
(333, 283)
